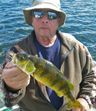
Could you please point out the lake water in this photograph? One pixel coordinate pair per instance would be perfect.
(80, 22)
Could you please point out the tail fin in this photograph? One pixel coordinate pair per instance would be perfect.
(74, 104)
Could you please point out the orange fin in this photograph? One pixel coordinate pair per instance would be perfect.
(40, 83)
(58, 94)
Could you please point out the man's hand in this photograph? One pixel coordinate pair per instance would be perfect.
(14, 78)
(84, 103)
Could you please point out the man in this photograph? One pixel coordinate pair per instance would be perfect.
(45, 41)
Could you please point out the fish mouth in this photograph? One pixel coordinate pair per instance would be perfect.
(14, 60)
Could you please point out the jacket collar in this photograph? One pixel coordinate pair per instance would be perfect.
(67, 44)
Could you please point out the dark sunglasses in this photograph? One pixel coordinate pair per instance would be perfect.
(51, 15)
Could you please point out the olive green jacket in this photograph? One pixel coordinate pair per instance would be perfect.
(76, 65)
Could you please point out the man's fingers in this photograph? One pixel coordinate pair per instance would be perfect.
(11, 72)
(9, 65)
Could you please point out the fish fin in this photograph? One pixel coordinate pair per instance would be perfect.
(58, 94)
(74, 104)
(71, 87)
(40, 83)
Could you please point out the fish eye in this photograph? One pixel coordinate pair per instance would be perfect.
(22, 58)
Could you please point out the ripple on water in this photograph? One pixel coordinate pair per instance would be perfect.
(80, 22)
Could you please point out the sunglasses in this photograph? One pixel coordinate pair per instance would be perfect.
(51, 15)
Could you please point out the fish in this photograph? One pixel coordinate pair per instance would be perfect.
(46, 73)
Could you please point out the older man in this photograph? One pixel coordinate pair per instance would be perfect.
(67, 54)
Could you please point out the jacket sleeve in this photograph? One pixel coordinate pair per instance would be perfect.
(9, 98)
(92, 96)
(87, 79)
(91, 99)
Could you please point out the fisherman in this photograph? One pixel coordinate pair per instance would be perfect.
(69, 55)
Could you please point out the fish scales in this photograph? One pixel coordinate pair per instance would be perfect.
(45, 72)
(54, 80)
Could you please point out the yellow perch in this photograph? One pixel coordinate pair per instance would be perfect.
(47, 74)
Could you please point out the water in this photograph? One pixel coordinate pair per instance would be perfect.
(80, 22)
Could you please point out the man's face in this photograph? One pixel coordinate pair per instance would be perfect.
(45, 27)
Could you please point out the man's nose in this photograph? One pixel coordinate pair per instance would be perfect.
(44, 19)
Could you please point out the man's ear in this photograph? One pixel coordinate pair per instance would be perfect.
(59, 19)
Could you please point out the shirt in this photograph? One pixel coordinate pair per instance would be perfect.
(52, 54)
